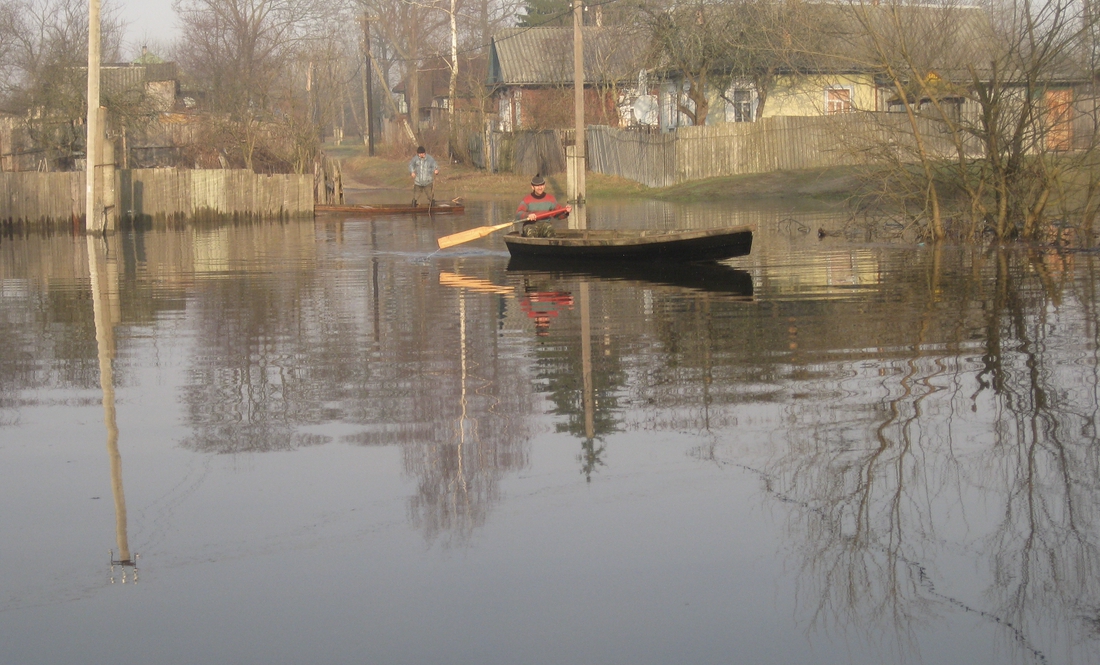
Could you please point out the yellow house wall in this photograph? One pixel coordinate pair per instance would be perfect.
(805, 96)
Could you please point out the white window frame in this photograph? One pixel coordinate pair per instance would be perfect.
(753, 101)
(851, 98)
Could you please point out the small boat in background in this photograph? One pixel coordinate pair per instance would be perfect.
(693, 245)
(390, 209)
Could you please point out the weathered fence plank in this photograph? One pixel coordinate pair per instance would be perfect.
(772, 144)
(148, 194)
(648, 158)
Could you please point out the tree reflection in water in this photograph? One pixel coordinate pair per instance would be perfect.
(458, 477)
(984, 420)
(941, 420)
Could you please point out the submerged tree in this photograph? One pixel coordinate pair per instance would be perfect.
(1000, 130)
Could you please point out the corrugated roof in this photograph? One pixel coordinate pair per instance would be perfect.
(940, 38)
(948, 40)
(544, 55)
(116, 78)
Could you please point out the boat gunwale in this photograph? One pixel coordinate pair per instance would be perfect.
(622, 238)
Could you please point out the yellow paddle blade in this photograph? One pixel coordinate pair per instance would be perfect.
(473, 284)
(470, 234)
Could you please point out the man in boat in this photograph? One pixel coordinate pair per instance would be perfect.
(423, 170)
(539, 201)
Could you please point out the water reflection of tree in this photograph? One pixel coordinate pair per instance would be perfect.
(485, 403)
(285, 347)
(1047, 546)
(1014, 427)
(46, 317)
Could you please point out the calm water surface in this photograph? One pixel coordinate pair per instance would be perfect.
(321, 442)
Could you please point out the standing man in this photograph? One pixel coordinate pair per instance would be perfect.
(539, 200)
(423, 171)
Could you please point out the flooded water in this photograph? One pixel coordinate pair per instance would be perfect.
(322, 442)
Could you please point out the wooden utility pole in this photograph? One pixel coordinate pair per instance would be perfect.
(578, 102)
(368, 89)
(452, 88)
(93, 214)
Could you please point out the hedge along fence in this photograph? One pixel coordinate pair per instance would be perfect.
(149, 195)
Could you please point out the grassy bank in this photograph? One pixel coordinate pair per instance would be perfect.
(456, 180)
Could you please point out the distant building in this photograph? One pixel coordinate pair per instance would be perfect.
(434, 82)
(531, 75)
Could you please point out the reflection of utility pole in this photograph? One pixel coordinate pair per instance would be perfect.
(377, 306)
(464, 423)
(104, 284)
(590, 454)
(586, 364)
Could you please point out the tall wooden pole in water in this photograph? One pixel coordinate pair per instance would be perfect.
(578, 101)
(93, 218)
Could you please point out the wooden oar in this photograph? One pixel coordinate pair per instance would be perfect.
(482, 231)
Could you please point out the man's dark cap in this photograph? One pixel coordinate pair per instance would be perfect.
(420, 150)
(537, 180)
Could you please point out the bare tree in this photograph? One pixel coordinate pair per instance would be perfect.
(712, 44)
(241, 53)
(43, 65)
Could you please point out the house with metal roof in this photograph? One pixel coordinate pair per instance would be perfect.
(850, 57)
(531, 75)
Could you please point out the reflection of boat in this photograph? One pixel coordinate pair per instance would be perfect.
(711, 277)
(694, 245)
(390, 209)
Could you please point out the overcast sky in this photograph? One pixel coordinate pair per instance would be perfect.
(149, 20)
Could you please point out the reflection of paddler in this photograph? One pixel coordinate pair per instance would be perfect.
(543, 306)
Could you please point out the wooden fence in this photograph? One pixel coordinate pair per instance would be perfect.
(159, 194)
(645, 157)
(41, 197)
(772, 144)
(525, 152)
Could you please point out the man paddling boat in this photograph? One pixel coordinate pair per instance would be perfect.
(539, 201)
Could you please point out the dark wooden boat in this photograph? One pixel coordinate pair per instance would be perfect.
(710, 277)
(694, 245)
(390, 209)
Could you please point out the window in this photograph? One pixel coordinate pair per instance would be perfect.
(741, 105)
(838, 100)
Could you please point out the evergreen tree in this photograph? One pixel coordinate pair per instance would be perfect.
(546, 12)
